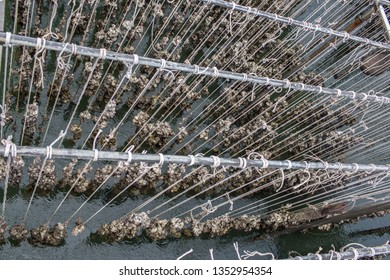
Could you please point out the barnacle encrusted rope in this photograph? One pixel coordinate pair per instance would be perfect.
(212, 72)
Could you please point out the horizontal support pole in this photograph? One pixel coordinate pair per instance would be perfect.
(302, 24)
(349, 254)
(385, 20)
(194, 160)
(384, 2)
(194, 69)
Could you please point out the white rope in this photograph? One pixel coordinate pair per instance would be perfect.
(7, 42)
(185, 254)
(249, 254)
(192, 158)
(96, 151)
(161, 162)
(10, 148)
(211, 254)
(235, 244)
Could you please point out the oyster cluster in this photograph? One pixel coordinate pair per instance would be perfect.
(3, 165)
(125, 228)
(18, 233)
(16, 171)
(3, 228)
(30, 120)
(156, 134)
(157, 229)
(49, 236)
(48, 178)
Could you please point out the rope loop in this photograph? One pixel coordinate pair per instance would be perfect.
(196, 71)
(192, 162)
(355, 253)
(265, 162)
(243, 163)
(96, 154)
(326, 165)
(373, 166)
(7, 39)
(217, 161)
(129, 152)
(287, 83)
(74, 49)
(356, 169)
(161, 162)
(215, 72)
(233, 7)
(49, 149)
(49, 152)
(163, 64)
(10, 148)
(135, 59)
(373, 253)
(103, 54)
(38, 46)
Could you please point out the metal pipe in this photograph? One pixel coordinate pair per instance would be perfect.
(349, 254)
(188, 68)
(325, 49)
(210, 161)
(2, 19)
(384, 19)
(384, 2)
(302, 24)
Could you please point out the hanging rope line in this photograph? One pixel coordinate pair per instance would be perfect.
(290, 21)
